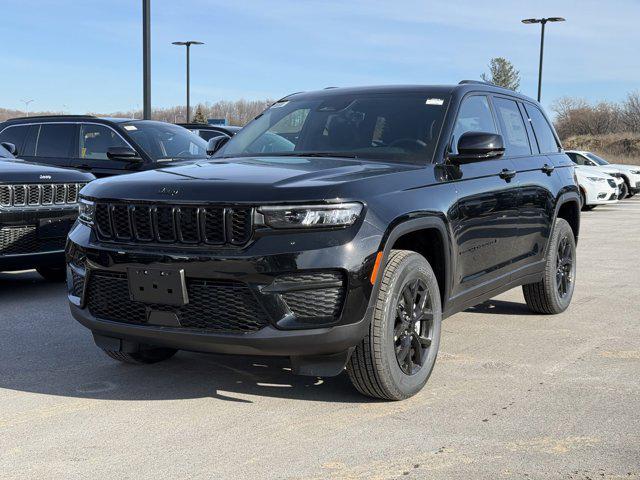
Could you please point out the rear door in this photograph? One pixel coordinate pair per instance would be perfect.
(50, 143)
(485, 218)
(535, 178)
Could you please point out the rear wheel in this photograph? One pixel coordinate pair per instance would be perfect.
(397, 356)
(553, 294)
(144, 356)
(53, 274)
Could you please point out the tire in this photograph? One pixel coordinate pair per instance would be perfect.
(553, 294)
(53, 274)
(374, 367)
(624, 191)
(145, 356)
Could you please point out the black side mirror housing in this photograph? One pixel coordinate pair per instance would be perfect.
(216, 143)
(477, 147)
(123, 154)
(11, 148)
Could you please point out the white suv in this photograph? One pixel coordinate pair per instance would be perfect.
(629, 173)
(597, 188)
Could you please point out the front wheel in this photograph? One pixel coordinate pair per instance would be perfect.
(397, 356)
(53, 274)
(553, 294)
(624, 191)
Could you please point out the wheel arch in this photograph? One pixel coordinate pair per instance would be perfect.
(568, 208)
(428, 236)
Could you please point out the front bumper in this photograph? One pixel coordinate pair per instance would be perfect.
(283, 328)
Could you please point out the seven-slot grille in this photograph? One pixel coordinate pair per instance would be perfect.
(37, 195)
(170, 224)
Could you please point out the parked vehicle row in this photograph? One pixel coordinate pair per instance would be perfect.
(338, 228)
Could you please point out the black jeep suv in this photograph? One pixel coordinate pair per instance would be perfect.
(338, 228)
(102, 146)
(38, 205)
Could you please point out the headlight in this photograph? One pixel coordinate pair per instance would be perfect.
(87, 211)
(595, 179)
(309, 216)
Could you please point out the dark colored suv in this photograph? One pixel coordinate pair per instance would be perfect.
(338, 229)
(38, 205)
(207, 132)
(102, 146)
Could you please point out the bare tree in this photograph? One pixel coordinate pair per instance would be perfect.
(502, 73)
(630, 112)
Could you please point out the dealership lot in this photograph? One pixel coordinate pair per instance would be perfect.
(512, 394)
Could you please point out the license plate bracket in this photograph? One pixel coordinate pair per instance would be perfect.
(159, 286)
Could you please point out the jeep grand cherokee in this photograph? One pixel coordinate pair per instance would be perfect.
(338, 229)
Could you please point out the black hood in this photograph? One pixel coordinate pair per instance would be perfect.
(258, 179)
(16, 171)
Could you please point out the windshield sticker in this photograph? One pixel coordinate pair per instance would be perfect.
(130, 127)
(434, 101)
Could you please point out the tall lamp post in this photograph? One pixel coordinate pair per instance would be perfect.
(26, 105)
(542, 22)
(188, 45)
(146, 59)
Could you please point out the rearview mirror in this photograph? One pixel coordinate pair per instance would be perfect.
(123, 154)
(11, 148)
(216, 143)
(477, 147)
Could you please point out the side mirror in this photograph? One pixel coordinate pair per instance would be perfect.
(11, 148)
(477, 147)
(123, 154)
(216, 143)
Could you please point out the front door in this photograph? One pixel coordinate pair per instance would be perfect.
(485, 217)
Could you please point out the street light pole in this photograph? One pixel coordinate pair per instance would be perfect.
(188, 45)
(26, 105)
(146, 59)
(542, 22)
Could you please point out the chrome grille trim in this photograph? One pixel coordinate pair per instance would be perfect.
(38, 195)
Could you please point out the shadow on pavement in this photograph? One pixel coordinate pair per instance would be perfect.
(43, 350)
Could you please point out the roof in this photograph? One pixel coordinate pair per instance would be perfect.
(464, 86)
(205, 126)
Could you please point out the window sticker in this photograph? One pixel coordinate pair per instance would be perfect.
(434, 101)
(131, 128)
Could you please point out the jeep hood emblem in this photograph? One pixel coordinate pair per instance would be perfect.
(169, 191)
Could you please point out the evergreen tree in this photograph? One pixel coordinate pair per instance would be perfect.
(502, 73)
(199, 116)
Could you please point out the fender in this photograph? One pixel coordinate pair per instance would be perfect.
(563, 199)
(408, 224)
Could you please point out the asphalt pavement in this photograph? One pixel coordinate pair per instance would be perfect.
(513, 394)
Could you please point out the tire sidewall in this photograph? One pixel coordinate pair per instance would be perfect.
(562, 229)
(411, 268)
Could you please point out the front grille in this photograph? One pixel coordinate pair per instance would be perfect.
(612, 183)
(185, 225)
(21, 240)
(77, 284)
(323, 297)
(213, 306)
(36, 195)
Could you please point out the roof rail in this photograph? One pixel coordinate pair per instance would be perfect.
(53, 116)
(329, 88)
(478, 82)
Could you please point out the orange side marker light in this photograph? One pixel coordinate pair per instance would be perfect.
(376, 267)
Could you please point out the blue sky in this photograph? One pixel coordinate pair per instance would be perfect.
(85, 56)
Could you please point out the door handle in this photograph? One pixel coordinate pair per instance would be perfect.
(548, 169)
(507, 174)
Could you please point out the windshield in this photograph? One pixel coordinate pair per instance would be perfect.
(597, 159)
(399, 127)
(164, 141)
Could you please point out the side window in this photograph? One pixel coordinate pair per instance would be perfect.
(95, 140)
(573, 157)
(542, 130)
(514, 132)
(474, 116)
(55, 140)
(15, 135)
